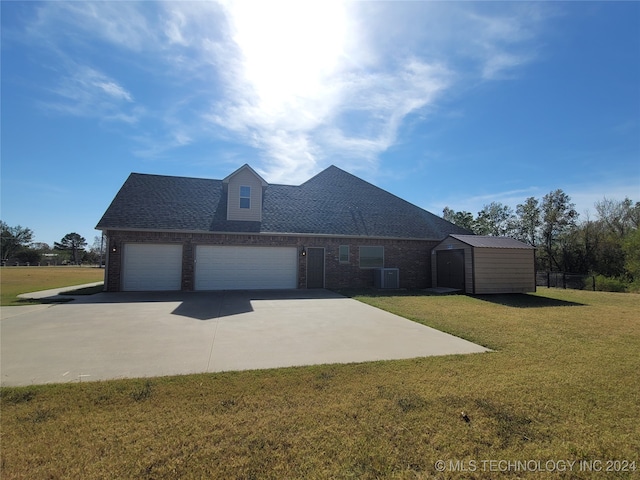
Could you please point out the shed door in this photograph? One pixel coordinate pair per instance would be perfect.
(450, 268)
(151, 267)
(245, 268)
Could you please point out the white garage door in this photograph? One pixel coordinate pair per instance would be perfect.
(151, 267)
(245, 268)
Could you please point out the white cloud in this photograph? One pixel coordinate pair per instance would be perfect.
(305, 83)
(114, 90)
(497, 64)
(87, 92)
(316, 83)
(296, 78)
(174, 26)
(503, 40)
(126, 24)
(152, 146)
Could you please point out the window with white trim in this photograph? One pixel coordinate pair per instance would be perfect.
(245, 196)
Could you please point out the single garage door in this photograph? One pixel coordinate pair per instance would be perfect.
(151, 267)
(245, 268)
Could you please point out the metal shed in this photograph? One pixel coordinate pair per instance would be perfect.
(479, 264)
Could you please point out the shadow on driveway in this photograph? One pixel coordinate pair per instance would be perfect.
(208, 305)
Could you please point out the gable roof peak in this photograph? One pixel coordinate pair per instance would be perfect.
(244, 167)
(337, 172)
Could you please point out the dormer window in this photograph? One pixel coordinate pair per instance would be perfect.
(245, 197)
(245, 189)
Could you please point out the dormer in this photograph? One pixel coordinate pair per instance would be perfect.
(244, 195)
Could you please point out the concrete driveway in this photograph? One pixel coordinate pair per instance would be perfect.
(115, 335)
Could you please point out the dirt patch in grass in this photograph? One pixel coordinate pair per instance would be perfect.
(562, 384)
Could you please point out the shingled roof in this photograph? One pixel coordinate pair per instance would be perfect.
(333, 202)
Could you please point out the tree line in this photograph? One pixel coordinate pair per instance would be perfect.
(608, 245)
(17, 246)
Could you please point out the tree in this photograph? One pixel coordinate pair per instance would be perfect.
(71, 242)
(494, 219)
(461, 219)
(631, 247)
(14, 239)
(620, 216)
(558, 217)
(528, 221)
(41, 247)
(29, 256)
(94, 255)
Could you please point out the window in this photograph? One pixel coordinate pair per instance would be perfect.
(371, 257)
(344, 253)
(245, 197)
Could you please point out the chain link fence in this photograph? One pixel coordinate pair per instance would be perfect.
(565, 280)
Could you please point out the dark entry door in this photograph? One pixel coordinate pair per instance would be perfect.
(450, 265)
(315, 267)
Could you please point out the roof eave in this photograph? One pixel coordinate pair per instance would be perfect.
(263, 233)
(522, 246)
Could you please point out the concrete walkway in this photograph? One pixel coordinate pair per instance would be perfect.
(115, 335)
(56, 293)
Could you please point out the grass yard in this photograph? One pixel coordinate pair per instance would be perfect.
(563, 385)
(17, 280)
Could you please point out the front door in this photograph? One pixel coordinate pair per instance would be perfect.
(450, 265)
(315, 267)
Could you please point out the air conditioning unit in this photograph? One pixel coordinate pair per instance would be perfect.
(386, 278)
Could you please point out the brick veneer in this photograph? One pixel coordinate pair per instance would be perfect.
(411, 257)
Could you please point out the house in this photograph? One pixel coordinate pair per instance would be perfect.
(479, 264)
(333, 231)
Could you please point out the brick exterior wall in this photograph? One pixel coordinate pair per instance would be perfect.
(411, 257)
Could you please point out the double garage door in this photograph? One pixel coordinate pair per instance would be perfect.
(245, 268)
(159, 267)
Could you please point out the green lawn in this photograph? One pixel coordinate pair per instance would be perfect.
(562, 385)
(17, 280)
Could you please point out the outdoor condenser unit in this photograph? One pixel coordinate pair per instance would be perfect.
(386, 278)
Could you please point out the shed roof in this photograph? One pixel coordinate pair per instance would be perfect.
(486, 241)
(333, 202)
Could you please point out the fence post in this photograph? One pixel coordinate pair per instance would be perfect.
(594, 282)
(564, 281)
(548, 279)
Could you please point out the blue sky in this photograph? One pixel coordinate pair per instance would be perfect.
(441, 103)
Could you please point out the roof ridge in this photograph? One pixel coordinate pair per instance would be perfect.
(159, 175)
